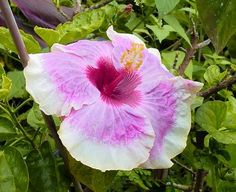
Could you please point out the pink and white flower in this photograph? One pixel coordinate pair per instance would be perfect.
(123, 109)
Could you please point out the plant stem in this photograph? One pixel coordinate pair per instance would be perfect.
(9, 55)
(224, 84)
(199, 180)
(77, 7)
(8, 110)
(183, 166)
(203, 44)
(101, 4)
(175, 44)
(201, 173)
(160, 175)
(179, 186)
(16, 141)
(22, 129)
(143, 19)
(15, 33)
(190, 52)
(22, 105)
(49, 121)
(14, 30)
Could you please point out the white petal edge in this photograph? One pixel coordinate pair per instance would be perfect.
(176, 139)
(95, 154)
(158, 55)
(113, 36)
(42, 89)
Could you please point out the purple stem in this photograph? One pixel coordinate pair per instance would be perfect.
(14, 30)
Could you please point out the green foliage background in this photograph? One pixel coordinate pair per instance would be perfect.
(29, 160)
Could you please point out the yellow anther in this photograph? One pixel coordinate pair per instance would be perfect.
(133, 58)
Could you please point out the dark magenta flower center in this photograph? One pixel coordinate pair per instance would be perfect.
(116, 86)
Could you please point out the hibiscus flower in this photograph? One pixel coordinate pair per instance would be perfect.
(122, 108)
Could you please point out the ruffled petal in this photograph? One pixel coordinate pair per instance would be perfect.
(168, 108)
(158, 56)
(58, 82)
(121, 43)
(92, 51)
(152, 70)
(122, 38)
(106, 137)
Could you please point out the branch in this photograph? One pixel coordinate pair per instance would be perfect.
(15, 33)
(203, 44)
(14, 30)
(51, 125)
(199, 180)
(183, 166)
(8, 110)
(161, 174)
(224, 84)
(179, 186)
(22, 104)
(201, 173)
(176, 43)
(190, 52)
(77, 6)
(99, 5)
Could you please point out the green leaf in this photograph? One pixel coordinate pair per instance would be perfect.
(13, 171)
(6, 82)
(230, 120)
(67, 3)
(3, 94)
(6, 86)
(45, 175)
(50, 36)
(213, 75)
(18, 85)
(161, 32)
(226, 186)
(169, 58)
(96, 180)
(225, 136)
(2, 71)
(23, 146)
(232, 46)
(213, 178)
(82, 25)
(164, 7)
(197, 102)
(210, 116)
(135, 176)
(34, 117)
(174, 23)
(7, 129)
(232, 151)
(150, 3)
(217, 17)
(133, 22)
(31, 44)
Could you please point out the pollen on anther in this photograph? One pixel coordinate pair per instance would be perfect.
(133, 57)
